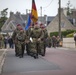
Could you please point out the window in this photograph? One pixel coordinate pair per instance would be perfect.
(62, 25)
(10, 26)
(74, 21)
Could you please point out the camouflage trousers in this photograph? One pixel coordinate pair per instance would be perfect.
(33, 47)
(37, 47)
(21, 47)
(1, 44)
(16, 49)
(41, 48)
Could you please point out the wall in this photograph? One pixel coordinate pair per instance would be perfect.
(69, 42)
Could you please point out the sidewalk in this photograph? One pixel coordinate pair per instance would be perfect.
(66, 48)
(2, 57)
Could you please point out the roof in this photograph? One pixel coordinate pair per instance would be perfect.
(65, 24)
(50, 18)
(24, 17)
(15, 19)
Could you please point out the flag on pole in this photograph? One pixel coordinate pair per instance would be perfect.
(34, 14)
(28, 22)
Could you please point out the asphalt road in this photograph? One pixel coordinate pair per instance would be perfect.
(56, 62)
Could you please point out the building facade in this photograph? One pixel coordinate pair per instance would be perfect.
(65, 24)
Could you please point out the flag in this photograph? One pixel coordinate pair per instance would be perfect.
(28, 22)
(34, 14)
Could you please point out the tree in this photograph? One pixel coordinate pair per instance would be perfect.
(3, 17)
(68, 8)
(4, 12)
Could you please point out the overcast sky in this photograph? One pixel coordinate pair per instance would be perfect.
(49, 7)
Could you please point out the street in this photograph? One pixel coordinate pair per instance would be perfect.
(57, 61)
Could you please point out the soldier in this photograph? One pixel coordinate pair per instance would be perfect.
(28, 32)
(75, 38)
(16, 31)
(1, 41)
(43, 50)
(49, 41)
(36, 37)
(58, 41)
(54, 41)
(21, 37)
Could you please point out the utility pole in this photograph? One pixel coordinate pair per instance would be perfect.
(59, 11)
(41, 13)
(26, 11)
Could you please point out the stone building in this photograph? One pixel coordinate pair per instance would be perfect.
(65, 24)
(13, 20)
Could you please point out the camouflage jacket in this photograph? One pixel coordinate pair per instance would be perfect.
(37, 33)
(21, 36)
(16, 31)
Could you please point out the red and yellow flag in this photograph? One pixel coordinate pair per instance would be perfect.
(34, 14)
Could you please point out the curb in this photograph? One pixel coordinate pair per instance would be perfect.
(2, 59)
(66, 48)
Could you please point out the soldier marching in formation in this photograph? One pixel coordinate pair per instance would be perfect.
(33, 38)
(16, 31)
(43, 48)
(21, 37)
(36, 37)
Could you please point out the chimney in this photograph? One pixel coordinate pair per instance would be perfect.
(11, 13)
(45, 20)
(17, 13)
(74, 13)
(26, 11)
(64, 11)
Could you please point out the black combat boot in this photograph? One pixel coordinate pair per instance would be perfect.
(20, 56)
(16, 55)
(35, 56)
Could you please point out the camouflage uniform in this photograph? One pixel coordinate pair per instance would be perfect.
(49, 41)
(58, 41)
(21, 37)
(28, 32)
(36, 35)
(16, 31)
(54, 41)
(43, 42)
(1, 41)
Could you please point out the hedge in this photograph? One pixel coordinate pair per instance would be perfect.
(63, 33)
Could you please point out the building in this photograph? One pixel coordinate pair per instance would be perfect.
(52, 23)
(53, 26)
(45, 19)
(72, 16)
(13, 20)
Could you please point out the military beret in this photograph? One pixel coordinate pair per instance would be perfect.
(21, 28)
(18, 24)
(42, 26)
(36, 23)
